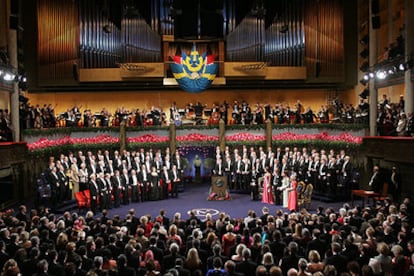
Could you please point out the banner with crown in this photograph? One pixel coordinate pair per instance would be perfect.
(194, 73)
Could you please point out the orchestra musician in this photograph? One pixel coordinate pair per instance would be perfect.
(104, 117)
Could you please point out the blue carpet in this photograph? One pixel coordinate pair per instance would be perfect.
(194, 197)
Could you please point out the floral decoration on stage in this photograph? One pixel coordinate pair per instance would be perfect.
(197, 137)
(323, 136)
(43, 143)
(196, 140)
(215, 196)
(148, 138)
(244, 136)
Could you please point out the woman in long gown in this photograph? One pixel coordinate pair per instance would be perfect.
(154, 189)
(285, 188)
(292, 201)
(267, 196)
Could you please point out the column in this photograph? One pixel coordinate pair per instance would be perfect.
(14, 98)
(373, 93)
(390, 32)
(409, 53)
(173, 136)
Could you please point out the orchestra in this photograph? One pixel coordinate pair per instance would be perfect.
(241, 113)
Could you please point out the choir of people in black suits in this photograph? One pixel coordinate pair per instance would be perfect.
(330, 172)
(120, 178)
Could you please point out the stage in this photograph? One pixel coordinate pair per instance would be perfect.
(195, 197)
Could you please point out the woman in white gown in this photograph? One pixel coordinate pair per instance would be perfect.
(284, 187)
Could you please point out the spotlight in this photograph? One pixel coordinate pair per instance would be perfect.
(366, 77)
(8, 77)
(402, 67)
(381, 74)
(371, 75)
(392, 70)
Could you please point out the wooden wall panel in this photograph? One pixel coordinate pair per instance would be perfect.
(324, 29)
(57, 41)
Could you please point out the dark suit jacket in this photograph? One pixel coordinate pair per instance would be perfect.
(55, 269)
(318, 245)
(246, 267)
(158, 253)
(338, 261)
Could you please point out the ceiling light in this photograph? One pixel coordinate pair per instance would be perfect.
(8, 77)
(381, 75)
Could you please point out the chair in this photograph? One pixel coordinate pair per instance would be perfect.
(307, 197)
(81, 200)
(300, 190)
(87, 194)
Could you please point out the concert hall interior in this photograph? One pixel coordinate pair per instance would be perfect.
(208, 108)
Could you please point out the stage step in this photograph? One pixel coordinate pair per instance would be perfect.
(323, 197)
(67, 205)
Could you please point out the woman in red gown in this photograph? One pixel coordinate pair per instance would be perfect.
(228, 240)
(292, 199)
(267, 196)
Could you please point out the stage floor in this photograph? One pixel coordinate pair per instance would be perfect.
(195, 197)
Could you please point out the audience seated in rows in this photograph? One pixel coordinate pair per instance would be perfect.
(350, 241)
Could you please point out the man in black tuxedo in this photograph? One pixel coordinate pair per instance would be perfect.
(55, 186)
(291, 260)
(168, 261)
(219, 168)
(337, 260)
(103, 191)
(116, 183)
(123, 268)
(143, 177)
(176, 181)
(375, 182)
(94, 192)
(316, 243)
(179, 266)
(247, 266)
(216, 254)
(125, 181)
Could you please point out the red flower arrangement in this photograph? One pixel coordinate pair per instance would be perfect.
(197, 137)
(43, 143)
(243, 136)
(148, 138)
(202, 139)
(323, 136)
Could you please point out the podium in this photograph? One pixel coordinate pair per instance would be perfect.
(219, 188)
